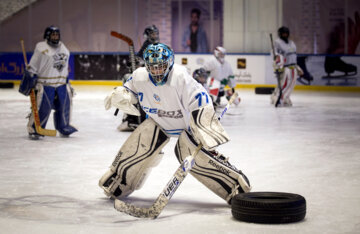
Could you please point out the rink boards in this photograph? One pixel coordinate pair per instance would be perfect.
(250, 70)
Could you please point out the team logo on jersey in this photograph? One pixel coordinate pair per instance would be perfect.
(157, 98)
(162, 113)
(170, 114)
(60, 61)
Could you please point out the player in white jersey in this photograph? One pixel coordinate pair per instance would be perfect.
(221, 71)
(48, 68)
(177, 106)
(285, 63)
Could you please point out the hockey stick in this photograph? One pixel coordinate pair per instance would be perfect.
(162, 200)
(34, 109)
(276, 72)
(130, 42)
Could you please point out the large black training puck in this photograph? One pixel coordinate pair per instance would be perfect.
(6, 85)
(268, 207)
(264, 90)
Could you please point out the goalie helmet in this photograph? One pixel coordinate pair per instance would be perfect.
(219, 53)
(53, 41)
(284, 33)
(200, 75)
(151, 34)
(159, 60)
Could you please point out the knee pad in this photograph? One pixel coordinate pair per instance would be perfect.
(212, 170)
(134, 161)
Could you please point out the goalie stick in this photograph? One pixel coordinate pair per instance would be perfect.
(34, 109)
(130, 42)
(276, 72)
(162, 200)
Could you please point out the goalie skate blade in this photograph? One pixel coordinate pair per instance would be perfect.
(139, 212)
(34, 136)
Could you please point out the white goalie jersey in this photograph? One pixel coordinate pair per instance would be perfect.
(170, 104)
(287, 50)
(53, 64)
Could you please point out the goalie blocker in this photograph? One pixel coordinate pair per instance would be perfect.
(141, 151)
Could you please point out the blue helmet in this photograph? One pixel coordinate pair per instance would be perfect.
(47, 35)
(159, 60)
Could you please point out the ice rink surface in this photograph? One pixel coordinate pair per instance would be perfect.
(312, 148)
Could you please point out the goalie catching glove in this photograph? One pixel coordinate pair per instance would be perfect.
(27, 83)
(122, 99)
(278, 63)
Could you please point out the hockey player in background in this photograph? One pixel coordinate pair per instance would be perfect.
(47, 73)
(177, 106)
(201, 76)
(151, 36)
(285, 64)
(221, 71)
(130, 122)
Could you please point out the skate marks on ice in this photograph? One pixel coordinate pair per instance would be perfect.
(55, 209)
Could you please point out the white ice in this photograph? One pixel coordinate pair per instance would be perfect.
(312, 148)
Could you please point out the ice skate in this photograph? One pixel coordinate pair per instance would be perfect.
(287, 102)
(333, 64)
(34, 136)
(306, 77)
(273, 98)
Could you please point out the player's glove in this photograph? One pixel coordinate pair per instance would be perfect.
(28, 82)
(278, 63)
(122, 99)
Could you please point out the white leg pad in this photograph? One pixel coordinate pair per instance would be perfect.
(215, 172)
(134, 161)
